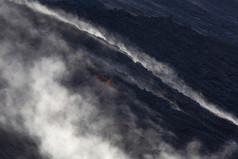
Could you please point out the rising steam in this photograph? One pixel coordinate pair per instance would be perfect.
(34, 102)
(67, 124)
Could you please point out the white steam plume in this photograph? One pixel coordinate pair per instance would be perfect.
(34, 101)
(54, 104)
(66, 124)
(159, 69)
(53, 115)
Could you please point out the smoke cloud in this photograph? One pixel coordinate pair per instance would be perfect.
(36, 103)
(68, 124)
